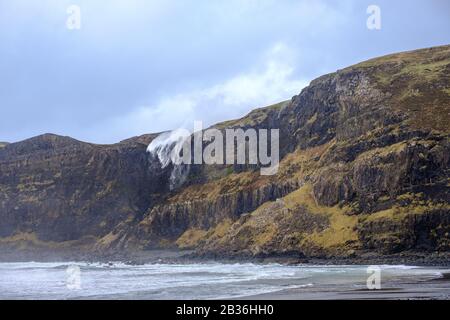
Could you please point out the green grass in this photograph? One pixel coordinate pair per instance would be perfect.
(254, 117)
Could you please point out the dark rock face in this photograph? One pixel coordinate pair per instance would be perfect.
(63, 189)
(365, 166)
(427, 231)
(170, 221)
(408, 165)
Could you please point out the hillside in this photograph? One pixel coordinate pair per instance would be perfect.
(365, 156)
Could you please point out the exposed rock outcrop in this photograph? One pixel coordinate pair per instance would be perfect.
(365, 166)
(63, 189)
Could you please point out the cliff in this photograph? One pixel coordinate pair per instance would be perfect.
(364, 167)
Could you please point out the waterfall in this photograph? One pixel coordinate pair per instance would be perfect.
(167, 147)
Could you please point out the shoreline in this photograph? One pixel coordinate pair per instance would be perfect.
(398, 281)
(431, 289)
(173, 256)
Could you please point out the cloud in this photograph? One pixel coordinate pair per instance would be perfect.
(269, 82)
(139, 66)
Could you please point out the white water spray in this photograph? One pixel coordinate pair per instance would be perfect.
(167, 147)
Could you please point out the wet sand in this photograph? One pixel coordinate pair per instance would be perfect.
(434, 289)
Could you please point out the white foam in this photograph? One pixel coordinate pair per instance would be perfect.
(167, 147)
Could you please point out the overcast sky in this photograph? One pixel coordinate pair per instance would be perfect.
(141, 66)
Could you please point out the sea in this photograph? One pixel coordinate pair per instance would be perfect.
(117, 280)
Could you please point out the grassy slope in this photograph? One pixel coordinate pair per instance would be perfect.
(420, 80)
(417, 83)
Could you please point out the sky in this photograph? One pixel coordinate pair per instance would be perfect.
(142, 66)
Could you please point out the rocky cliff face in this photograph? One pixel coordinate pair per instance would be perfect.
(62, 189)
(365, 156)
